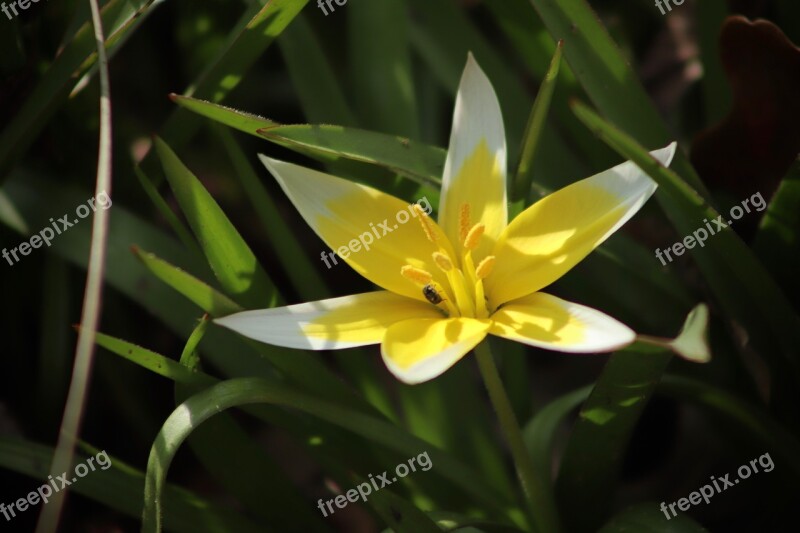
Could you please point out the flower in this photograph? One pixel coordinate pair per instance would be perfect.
(448, 284)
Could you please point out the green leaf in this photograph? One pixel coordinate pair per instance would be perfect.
(120, 487)
(232, 261)
(593, 455)
(540, 434)
(357, 363)
(38, 199)
(530, 41)
(442, 34)
(648, 518)
(776, 242)
(258, 28)
(313, 77)
(55, 348)
(398, 513)
(448, 521)
(380, 66)
(345, 151)
(244, 391)
(305, 279)
(746, 291)
(54, 87)
(749, 422)
(246, 122)
(607, 76)
(717, 95)
(199, 293)
(419, 162)
(534, 129)
(455, 473)
(180, 229)
(302, 368)
(234, 459)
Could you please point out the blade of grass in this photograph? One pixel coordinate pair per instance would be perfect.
(454, 472)
(233, 263)
(39, 199)
(593, 455)
(380, 66)
(717, 96)
(121, 487)
(238, 271)
(340, 164)
(305, 279)
(760, 428)
(90, 314)
(180, 229)
(530, 41)
(419, 162)
(318, 90)
(247, 391)
(442, 34)
(55, 85)
(746, 291)
(54, 351)
(239, 464)
(540, 435)
(607, 76)
(398, 513)
(533, 132)
(648, 517)
(778, 234)
(256, 31)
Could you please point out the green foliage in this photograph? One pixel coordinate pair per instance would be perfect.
(199, 230)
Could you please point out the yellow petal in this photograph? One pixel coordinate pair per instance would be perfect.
(373, 232)
(420, 349)
(544, 321)
(475, 169)
(557, 232)
(331, 324)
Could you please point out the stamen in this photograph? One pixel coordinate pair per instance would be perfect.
(485, 267)
(480, 300)
(442, 261)
(463, 220)
(416, 274)
(423, 218)
(474, 236)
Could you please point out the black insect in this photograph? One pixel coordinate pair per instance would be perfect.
(431, 295)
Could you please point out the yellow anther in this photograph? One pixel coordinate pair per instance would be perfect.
(416, 274)
(485, 267)
(425, 221)
(474, 236)
(463, 221)
(442, 261)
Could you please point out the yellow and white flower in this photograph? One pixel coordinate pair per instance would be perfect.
(447, 284)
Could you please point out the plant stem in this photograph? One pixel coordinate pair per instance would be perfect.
(544, 516)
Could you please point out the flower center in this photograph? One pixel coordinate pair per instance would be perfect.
(465, 279)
